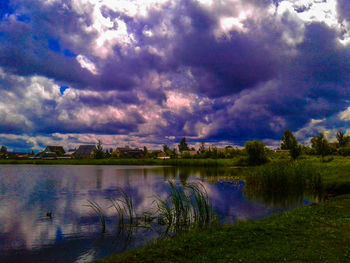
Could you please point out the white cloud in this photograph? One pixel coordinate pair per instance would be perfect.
(87, 64)
(345, 115)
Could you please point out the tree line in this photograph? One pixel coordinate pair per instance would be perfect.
(255, 151)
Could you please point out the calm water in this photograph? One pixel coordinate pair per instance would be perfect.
(73, 234)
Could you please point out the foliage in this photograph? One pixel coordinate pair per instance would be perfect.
(167, 150)
(342, 138)
(256, 152)
(344, 151)
(295, 151)
(183, 145)
(288, 140)
(98, 151)
(320, 145)
(3, 150)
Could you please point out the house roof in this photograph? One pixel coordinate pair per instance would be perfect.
(85, 150)
(52, 148)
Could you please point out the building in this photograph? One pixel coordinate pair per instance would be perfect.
(49, 156)
(85, 151)
(54, 149)
(127, 152)
(69, 154)
(17, 155)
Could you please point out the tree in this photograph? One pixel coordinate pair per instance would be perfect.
(256, 152)
(183, 145)
(167, 150)
(288, 140)
(3, 150)
(342, 138)
(98, 151)
(320, 145)
(295, 151)
(201, 149)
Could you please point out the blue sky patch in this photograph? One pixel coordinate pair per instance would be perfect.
(54, 45)
(63, 89)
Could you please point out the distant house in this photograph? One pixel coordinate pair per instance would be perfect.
(49, 155)
(17, 155)
(54, 149)
(85, 151)
(127, 152)
(163, 157)
(70, 153)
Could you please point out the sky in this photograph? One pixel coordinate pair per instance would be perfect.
(147, 73)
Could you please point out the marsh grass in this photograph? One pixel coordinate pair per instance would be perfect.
(185, 208)
(284, 184)
(99, 211)
(124, 207)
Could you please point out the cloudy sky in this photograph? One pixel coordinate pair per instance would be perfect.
(148, 72)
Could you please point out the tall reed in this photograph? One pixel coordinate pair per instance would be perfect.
(284, 184)
(99, 211)
(185, 208)
(124, 206)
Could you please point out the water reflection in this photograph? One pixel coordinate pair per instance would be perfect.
(73, 234)
(285, 186)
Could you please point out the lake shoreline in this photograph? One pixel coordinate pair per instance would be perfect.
(313, 233)
(174, 162)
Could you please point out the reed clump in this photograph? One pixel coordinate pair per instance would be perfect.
(284, 184)
(99, 211)
(185, 208)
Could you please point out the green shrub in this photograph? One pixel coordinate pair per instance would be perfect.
(256, 152)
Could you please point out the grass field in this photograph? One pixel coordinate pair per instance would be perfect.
(315, 233)
(175, 162)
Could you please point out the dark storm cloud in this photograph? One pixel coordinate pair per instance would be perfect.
(228, 64)
(24, 53)
(277, 73)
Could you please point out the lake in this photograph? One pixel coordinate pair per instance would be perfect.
(45, 217)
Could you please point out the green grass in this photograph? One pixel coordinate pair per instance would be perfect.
(174, 162)
(315, 233)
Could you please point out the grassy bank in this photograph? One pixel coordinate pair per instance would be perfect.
(318, 233)
(174, 162)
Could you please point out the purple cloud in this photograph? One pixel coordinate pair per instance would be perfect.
(153, 71)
